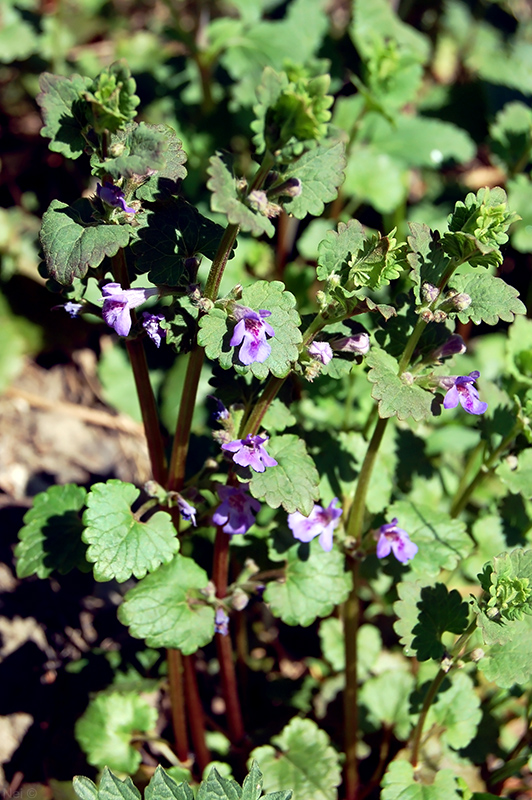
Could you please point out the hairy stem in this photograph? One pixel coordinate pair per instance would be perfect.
(176, 475)
(429, 697)
(177, 701)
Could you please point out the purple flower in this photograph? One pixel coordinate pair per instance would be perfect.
(118, 302)
(151, 324)
(250, 452)
(392, 538)
(71, 308)
(113, 196)
(454, 346)
(235, 514)
(187, 511)
(251, 331)
(320, 522)
(321, 351)
(221, 412)
(461, 390)
(221, 622)
(358, 343)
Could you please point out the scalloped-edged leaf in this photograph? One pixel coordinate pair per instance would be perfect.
(51, 536)
(516, 473)
(293, 483)
(216, 330)
(378, 21)
(510, 662)
(63, 119)
(144, 150)
(397, 396)
(406, 609)
(164, 610)
(111, 100)
(321, 172)
(168, 179)
(438, 611)
(401, 783)
(386, 696)
(511, 135)
(106, 730)
(507, 582)
(422, 141)
(219, 787)
(335, 250)
(426, 257)
(120, 545)
(72, 241)
(375, 178)
(492, 299)
(442, 540)
(456, 712)
(226, 200)
(163, 787)
(303, 759)
(312, 586)
(170, 235)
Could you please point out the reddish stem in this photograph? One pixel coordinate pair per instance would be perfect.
(196, 716)
(177, 700)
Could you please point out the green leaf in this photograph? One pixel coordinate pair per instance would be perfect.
(456, 713)
(164, 609)
(51, 536)
(439, 611)
(478, 227)
(520, 200)
(108, 726)
(218, 787)
(111, 100)
(321, 172)
(519, 350)
(516, 473)
(511, 133)
(401, 783)
(72, 241)
(426, 257)
(216, 330)
(375, 178)
(492, 299)
(293, 483)
(170, 235)
(85, 788)
(509, 662)
(168, 179)
(227, 200)
(163, 787)
(303, 759)
(397, 396)
(63, 118)
(143, 149)
(112, 788)
(18, 39)
(278, 417)
(386, 697)
(314, 583)
(442, 540)
(507, 582)
(406, 609)
(332, 640)
(119, 545)
(422, 142)
(378, 21)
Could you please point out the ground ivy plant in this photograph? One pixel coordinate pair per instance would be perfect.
(358, 454)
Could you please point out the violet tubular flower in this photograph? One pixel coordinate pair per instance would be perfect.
(320, 522)
(392, 538)
(236, 514)
(221, 622)
(461, 390)
(250, 452)
(251, 331)
(188, 512)
(118, 303)
(71, 308)
(152, 325)
(320, 351)
(113, 196)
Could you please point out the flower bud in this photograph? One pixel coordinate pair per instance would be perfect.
(429, 292)
(191, 264)
(461, 301)
(439, 315)
(240, 599)
(427, 315)
(358, 343)
(257, 200)
(454, 346)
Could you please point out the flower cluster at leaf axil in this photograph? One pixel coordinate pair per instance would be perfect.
(460, 389)
(250, 332)
(118, 303)
(393, 539)
(236, 514)
(250, 452)
(320, 522)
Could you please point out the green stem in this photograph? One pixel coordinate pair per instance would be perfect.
(177, 702)
(176, 474)
(220, 260)
(411, 345)
(486, 468)
(355, 520)
(431, 694)
(351, 624)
